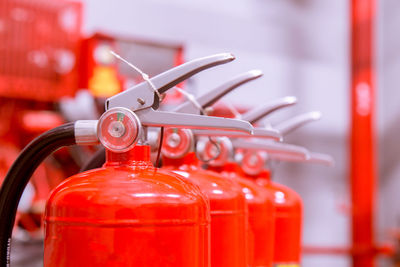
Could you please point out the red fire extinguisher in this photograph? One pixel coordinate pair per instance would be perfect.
(126, 213)
(261, 206)
(229, 215)
(227, 203)
(258, 199)
(227, 242)
(176, 145)
(288, 204)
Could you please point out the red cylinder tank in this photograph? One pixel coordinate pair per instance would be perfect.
(127, 213)
(261, 215)
(288, 221)
(228, 211)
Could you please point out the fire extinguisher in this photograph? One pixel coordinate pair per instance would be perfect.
(126, 213)
(260, 204)
(261, 234)
(176, 150)
(259, 200)
(253, 164)
(228, 204)
(288, 204)
(229, 218)
(228, 210)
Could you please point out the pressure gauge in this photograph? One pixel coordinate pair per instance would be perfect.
(217, 151)
(253, 162)
(118, 129)
(177, 142)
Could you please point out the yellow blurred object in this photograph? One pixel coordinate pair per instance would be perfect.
(104, 82)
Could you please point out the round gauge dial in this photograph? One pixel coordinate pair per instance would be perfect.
(253, 162)
(118, 129)
(177, 142)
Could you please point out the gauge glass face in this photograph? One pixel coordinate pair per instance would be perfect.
(253, 162)
(119, 129)
(217, 151)
(177, 142)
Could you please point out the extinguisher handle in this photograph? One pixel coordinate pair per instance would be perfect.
(257, 132)
(272, 148)
(317, 158)
(153, 118)
(292, 124)
(256, 114)
(215, 94)
(322, 159)
(143, 95)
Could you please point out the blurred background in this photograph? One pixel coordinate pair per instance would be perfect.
(55, 67)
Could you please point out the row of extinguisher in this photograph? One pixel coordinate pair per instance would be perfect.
(203, 198)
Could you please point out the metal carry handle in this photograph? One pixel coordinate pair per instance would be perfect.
(256, 114)
(272, 148)
(317, 158)
(298, 121)
(215, 94)
(152, 118)
(143, 96)
(257, 132)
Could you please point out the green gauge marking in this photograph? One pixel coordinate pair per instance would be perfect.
(120, 116)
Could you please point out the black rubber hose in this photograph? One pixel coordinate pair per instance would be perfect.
(96, 161)
(18, 177)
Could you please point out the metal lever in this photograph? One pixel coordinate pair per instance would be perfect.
(321, 158)
(253, 116)
(150, 117)
(260, 112)
(318, 158)
(142, 95)
(214, 95)
(257, 132)
(272, 148)
(292, 124)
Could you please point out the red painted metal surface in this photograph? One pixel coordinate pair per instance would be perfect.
(362, 164)
(127, 214)
(288, 221)
(39, 49)
(261, 215)
(229, 215)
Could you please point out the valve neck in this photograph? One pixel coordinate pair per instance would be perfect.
(138, 155)
(265, 174)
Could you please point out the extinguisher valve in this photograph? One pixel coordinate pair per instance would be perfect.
(119, 129)
(253, 162)
(215, 151)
